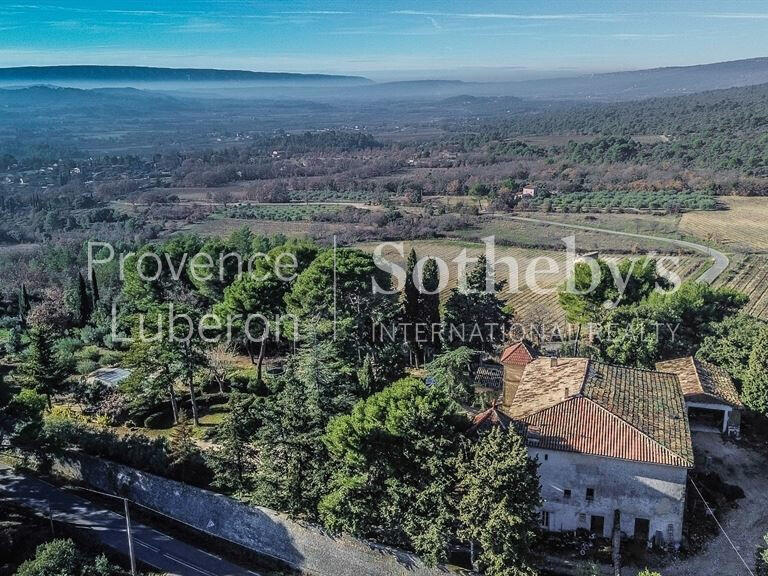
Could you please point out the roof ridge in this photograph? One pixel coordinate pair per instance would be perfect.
(635, 368)
(586, 377)
(696, 372)
(642, 433)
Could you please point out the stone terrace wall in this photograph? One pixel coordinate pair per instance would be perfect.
(304, 547)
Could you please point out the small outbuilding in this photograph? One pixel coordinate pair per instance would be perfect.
(711, 398)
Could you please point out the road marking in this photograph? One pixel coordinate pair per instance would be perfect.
(192, 566)
(146, 545)
(209, 554)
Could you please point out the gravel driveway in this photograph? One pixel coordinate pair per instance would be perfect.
(746, 524)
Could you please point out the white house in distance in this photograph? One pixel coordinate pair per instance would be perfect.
(711, 398)
(612, 443)
(527, 192)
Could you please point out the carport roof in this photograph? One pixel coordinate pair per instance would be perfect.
(702, 381)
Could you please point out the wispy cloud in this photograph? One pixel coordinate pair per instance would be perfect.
(738, 16)
(198, 26)
(318, 12)
(511, 16)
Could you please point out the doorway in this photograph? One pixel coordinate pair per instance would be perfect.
(642, 529)
(597, 525)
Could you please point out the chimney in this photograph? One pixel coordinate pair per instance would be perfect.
(553, 362)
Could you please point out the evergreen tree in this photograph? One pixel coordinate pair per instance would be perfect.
(411, 307)
(41, 369)
(392, 459)
(336, 293)
(182, 448)
(499, 500)
(451, 371)
(754, 393)
(24, 306)
(234, 458)
(366, 377)
(478, 277)
(84, 301)
(430, 307)
(94, 291)
(292, 472)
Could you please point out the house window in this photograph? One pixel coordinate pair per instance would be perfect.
(590, 494)
(546, 456)
(566, 494)
(544, 519)
(582, 519)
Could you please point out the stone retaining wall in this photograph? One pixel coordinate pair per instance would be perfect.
(303, 547)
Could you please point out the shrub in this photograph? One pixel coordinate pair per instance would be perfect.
(156, 421)
(89, 353)
(109, 357)
(85, 366)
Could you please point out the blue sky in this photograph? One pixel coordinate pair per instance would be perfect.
(479, 39)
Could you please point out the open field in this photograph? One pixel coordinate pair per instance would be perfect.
(748, 273)
(225, 226)
(276, 212)
(743, 227)
(525, 301)
(536, 235)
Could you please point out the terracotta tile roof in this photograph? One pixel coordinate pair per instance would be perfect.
(579, 405)
(492, 417)
(489, 376)
(519, 354)
(546, 381)
(650, 401)
(581, 425)
(702, 381)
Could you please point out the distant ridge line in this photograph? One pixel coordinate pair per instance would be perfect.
(160, 74)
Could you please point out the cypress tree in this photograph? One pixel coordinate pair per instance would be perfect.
(94, 291)
(24, 306)
(410, 305)
(84, 300)
(430, 306)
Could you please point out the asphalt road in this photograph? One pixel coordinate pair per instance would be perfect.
(710, 275)
(159, 550)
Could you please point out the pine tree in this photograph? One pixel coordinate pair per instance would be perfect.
(40, 369)
(755, 390)
(498, 507)
(84, 300)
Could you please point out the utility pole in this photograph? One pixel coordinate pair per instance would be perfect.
(130, 537)
(127, 521)
(50, 516)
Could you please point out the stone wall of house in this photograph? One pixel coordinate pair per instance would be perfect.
(638, 490)
(303, 547)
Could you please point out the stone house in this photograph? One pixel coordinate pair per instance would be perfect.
(711, 399)
(613, 443)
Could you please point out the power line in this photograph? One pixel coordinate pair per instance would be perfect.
(722, 529)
